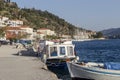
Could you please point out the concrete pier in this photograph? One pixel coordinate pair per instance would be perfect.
(24, 67)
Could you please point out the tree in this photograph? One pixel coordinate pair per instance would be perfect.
(2, 32)
(51, 37)
(98, 35)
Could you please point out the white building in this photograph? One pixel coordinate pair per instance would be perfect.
(43, 32)
(40, 35)
(67, 37)
(28, 31)
(14, 32)
(15, 23)
(3, 21)
(46, 31)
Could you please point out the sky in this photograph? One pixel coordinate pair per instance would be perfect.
(93, 15)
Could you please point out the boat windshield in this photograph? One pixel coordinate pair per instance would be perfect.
(62, 50)
(53, 51)
(70, 50)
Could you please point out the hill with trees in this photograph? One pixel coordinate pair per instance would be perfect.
(113, 33)
(37, 18)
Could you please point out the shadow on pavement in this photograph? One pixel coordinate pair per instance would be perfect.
(61, 73)
(26, 52)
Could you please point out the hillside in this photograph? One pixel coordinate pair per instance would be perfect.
(113, 33)
(37, 18)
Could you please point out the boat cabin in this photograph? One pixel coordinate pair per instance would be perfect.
(60, 51)
(57, 50)
(53, 52)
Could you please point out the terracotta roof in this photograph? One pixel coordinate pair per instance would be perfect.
(16, 20)
(39, 33)
(13, 28)
(43, 29)
(24, 27)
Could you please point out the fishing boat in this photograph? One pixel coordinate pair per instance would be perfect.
(55, 53)
(94, 71)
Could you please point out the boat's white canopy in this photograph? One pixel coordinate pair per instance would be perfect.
(59, 42)
(59, 50)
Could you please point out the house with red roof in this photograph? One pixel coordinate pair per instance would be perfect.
(13, 32)
(46, 31)
(28, 31)
(42, 32)
(23, 32)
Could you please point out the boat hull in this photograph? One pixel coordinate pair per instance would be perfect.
(58, 63)
(77, 71)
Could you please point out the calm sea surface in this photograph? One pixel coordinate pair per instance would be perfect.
(98, 50)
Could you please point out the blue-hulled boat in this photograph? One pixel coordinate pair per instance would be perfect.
(56, 54)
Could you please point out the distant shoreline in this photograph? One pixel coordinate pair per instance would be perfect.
(90, 39)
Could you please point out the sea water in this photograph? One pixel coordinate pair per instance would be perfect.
(98, 50)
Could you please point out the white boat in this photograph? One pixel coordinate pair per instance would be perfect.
(55, 53)
(94, 71)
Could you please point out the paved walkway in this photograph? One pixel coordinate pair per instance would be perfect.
(26, 67)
